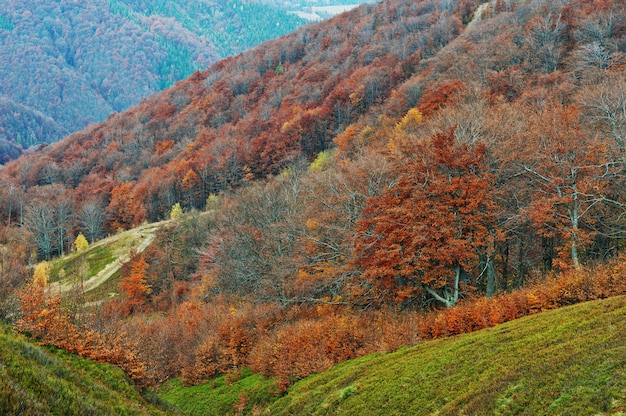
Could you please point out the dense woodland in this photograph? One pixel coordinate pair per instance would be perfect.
(65, 64)
(339, 183)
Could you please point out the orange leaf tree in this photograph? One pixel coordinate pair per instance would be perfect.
(134, 286)
(126, 209)
(427, 232)
(570, 174)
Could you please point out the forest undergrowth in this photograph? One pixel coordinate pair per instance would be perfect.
(197, 341)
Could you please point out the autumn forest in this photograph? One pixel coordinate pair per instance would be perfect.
(65, 64)
(411, 169)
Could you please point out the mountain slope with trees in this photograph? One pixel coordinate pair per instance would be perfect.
(355, 174)
(66, 64)
(515, 81)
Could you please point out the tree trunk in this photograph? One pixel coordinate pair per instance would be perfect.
(575, 255)
(520, 265)
(488, 271)
(574, 218)
(491, 277)
(505, 267)
(451, 295)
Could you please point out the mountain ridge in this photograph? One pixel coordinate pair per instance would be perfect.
(76, 63)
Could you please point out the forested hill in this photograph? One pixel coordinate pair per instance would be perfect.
(253, 115)
(247, 116)
(64, 64)
(407, 155)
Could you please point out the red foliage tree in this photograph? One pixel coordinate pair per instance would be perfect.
(428, 230)
(570, 174)
(44, 317)
(125, 209)
(135, 285)
(439, 96)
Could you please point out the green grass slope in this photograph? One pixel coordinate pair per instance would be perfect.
(244, 394)
(47, 381)
(569, 361)
(102, 262)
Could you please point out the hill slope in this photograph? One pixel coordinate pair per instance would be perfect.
(562, 362)
(65, 64)
(566, 361)
(345, 83)
(250, 115)
(104, 259)
(530, 181)
(40, 381)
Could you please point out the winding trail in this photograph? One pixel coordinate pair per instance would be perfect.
(110, 269)
(478, 14)
(113, 267)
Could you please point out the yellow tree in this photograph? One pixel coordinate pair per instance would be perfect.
(176, 212)
(41, 274)
(81, 243)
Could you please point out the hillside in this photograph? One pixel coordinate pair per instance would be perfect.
(246, 117)
(66, 64)
(104, 259)
(520, 77)
(566, 361)
(364, 180)
(40, 381)
(570, 361)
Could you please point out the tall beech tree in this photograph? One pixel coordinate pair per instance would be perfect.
(427, 233)
(252, 241)
(606, 106)
(92, 217)
(15, 248)
(570, 176)
(335, 194)
(39, 221)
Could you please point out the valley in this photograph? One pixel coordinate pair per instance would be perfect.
(66, 65)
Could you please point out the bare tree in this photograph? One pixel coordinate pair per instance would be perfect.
(39, 220)
(545, 38)
(62, 218)
(606, 105)
(13, 268)
(92, 218)
(13, 196)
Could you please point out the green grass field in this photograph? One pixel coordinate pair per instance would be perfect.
(245, 393)
(108, 253)
(569, 361)
(96, 259)
(37, 380)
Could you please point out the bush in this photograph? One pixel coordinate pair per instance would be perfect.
(557, 290)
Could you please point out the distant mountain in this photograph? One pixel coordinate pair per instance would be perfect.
(65, 64)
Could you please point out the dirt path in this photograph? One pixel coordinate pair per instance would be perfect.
(111, 268)
(478, 14)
